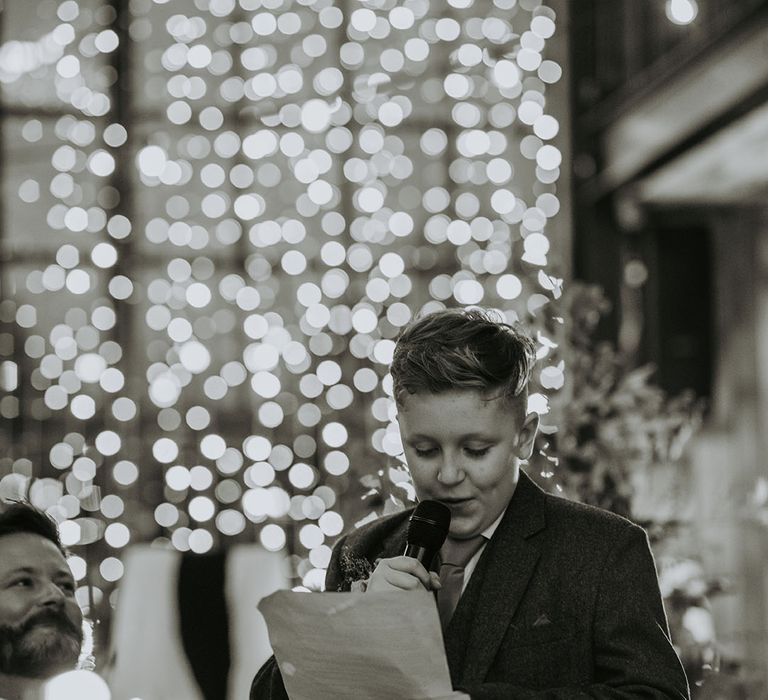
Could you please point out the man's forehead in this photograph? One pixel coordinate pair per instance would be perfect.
(26, 549)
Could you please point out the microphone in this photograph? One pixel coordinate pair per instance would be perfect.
(427, 530)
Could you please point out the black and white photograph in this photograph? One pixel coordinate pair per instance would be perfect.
(383, 349)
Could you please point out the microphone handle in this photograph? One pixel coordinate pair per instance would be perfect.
(424, 555)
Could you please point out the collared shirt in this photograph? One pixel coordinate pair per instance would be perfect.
(472, 563)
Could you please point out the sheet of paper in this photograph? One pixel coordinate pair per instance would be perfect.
(358, 646)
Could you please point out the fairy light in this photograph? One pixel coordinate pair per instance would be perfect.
(303, 182)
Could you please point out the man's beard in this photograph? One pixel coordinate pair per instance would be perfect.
(45, 644)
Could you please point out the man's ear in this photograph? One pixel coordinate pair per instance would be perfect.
(527, 435)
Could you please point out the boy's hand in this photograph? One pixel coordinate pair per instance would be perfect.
(402, 574)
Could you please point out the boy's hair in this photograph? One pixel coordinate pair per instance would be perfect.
(24, 517)
(457, 349)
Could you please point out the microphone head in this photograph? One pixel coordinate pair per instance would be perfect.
(428, 526)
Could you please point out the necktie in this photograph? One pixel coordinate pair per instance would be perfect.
(455, 555)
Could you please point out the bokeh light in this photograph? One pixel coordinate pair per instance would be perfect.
(207, 295)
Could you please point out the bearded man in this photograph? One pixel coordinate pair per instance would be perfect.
(40, 620)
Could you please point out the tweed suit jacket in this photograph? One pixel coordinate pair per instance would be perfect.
(564, 603)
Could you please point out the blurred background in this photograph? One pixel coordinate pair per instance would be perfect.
(217, 215)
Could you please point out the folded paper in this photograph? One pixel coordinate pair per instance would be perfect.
(358, 646)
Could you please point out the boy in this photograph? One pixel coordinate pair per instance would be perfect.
(539, 597)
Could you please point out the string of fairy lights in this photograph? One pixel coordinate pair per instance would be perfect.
(199, 302)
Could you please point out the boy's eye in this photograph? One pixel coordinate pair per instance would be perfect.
(476, 451)
(25, 582)
(425, 451)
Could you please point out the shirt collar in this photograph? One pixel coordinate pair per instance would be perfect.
(488, 532)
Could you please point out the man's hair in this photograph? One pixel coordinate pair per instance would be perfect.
(457, 349)
(24, 517)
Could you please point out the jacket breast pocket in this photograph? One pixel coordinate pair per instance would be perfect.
(546, 655)
(540, 630)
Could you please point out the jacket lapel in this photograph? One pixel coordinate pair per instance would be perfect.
(355, 553)
(494, 592)
(394, 545)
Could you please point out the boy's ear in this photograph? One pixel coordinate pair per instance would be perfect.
(527, 435)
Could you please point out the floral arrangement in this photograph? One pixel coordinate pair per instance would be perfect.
(611, 419)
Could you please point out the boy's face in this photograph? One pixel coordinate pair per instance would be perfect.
(473, 445)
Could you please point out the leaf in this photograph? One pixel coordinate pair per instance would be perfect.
(551, 284)
(410, 491)
(370, 481)
(396, 476)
